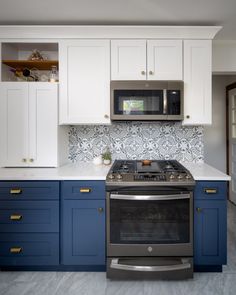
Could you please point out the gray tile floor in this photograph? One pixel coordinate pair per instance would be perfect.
(89, 283)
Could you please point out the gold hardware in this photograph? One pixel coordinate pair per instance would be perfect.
(15, 191)
(150, 72)
(106, 116)
(199, 210)
(210, 190)
(143, 72)
(31, 160)
(100, 210)
(85, 190)
(16, 217)
(188, 117)
(24, 160)
(16, 250)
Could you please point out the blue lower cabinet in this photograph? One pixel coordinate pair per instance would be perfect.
(83, 232)
(29, 249)
(210, 232)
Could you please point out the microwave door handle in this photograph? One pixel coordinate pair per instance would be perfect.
(150, 197)
(183, 265)
(164, 101)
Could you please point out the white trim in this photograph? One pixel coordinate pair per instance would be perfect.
(110, 32)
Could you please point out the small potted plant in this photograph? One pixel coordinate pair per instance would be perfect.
(106, 157)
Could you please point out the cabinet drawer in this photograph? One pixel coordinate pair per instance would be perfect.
(29, 216)
(215, 190)
(29, 249)
(29, 190)
(83, 190)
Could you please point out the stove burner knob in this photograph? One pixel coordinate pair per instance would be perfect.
(180, 176)
(119, 176)
(111, 176)
(172, 176)
(188, 176)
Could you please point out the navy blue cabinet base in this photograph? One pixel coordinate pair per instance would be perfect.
(29, 223)
(83, 223)
(210, 225)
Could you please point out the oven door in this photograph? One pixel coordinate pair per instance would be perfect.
(154, 224)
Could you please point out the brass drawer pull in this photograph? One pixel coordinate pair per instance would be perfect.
(16, 217)
(85, 190)
(16, 250)
(15, 191)
(210, 190)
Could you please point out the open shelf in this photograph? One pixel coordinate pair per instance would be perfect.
(44, 65)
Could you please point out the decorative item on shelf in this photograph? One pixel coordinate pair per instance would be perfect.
(53, 74)
(36, 55)
(30, 75)
(44, 78)
(97, 160)
(106, 157)
(18, 74)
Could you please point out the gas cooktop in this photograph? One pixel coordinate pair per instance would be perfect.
(148, 172)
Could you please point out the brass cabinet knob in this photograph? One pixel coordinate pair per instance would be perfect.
(24, 160)
(106, 116)
(151, 73)
(100, 210)
(143, 72)
(31, 160)
(199, 210)
(188, 117)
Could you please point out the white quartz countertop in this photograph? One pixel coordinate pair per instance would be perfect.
(89, 171)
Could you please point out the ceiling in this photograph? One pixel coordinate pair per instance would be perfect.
(122, 12)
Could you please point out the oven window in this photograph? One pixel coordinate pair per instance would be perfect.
(138, 102)
(152, 222)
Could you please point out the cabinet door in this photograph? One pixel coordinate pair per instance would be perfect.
(128, 60)
(43, 121)
(210, 227)
(164, 60)
(85, 82)
(83, 237)
(197, 82)
(14, 123)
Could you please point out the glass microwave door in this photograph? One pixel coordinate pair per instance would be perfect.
(150, 222)
(138, 102)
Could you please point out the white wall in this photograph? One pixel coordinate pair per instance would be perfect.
(215, 135)
(224, 57)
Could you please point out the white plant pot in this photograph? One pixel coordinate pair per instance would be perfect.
(106, 162)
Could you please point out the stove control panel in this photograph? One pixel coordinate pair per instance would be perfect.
(149, 177)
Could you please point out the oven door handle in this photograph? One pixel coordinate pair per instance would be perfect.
(183, 265)
(149, 197)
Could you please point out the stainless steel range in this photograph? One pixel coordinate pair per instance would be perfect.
(149, 220)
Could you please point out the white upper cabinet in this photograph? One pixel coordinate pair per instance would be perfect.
(128, 60)
(164, 60)
(43, 124)
(197, 82)
(14, 124)
(28, 124)
(151, 60)
(84, 81)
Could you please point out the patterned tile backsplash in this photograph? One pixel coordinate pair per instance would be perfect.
(137, 141)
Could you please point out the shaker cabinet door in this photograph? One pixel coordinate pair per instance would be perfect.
(85, 82)
(43, 120)
(128, 60)
(164, 60)
(83, 232)
(14, 123)
(197, 82)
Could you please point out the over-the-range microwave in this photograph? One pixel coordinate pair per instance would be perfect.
(146, 100)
